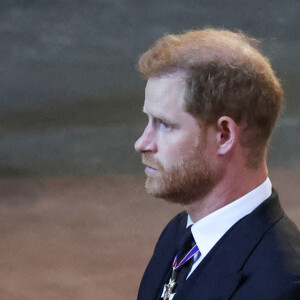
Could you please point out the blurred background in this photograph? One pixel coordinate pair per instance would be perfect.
(71, 98)
(71, 102)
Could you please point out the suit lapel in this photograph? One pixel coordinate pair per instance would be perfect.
(159, 267)
(221, 272)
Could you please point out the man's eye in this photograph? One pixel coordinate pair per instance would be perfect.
(162, 125)
(165, 125)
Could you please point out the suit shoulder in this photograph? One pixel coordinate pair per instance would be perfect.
(278, 252)
(272, 269)
(285, 236)
(169, 234)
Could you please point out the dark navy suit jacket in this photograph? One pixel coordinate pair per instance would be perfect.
(258, 258)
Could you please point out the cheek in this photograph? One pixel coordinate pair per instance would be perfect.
(185, 147)
(172, 153)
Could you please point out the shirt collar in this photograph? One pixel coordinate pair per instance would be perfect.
(211, 228)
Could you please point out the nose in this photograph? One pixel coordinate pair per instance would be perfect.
(146, 142)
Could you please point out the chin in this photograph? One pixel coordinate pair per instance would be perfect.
(171, 193)
(182, 187)
(186, 183)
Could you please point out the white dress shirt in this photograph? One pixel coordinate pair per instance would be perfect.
(208, 230)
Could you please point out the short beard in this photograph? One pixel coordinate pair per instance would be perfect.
(186, 182)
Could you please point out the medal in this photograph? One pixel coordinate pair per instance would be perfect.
(175, 266)
(170, 286)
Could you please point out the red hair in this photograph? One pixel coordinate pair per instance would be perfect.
(225, 75)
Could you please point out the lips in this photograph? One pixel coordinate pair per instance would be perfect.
(151, 166)
(150, 171)
(149, 161)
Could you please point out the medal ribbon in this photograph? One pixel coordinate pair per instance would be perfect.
(175, 266)
(186, 258)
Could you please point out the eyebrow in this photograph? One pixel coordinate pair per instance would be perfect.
(158, 117)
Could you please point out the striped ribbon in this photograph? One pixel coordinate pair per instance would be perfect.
(186, 258)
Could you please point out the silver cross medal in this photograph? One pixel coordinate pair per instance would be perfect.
(170, 286)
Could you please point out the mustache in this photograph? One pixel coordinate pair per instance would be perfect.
(151, 162)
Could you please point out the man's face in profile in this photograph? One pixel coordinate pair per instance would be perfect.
(173, 146)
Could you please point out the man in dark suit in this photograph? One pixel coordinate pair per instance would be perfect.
(212, 100)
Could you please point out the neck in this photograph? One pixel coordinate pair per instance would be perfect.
(228, 189)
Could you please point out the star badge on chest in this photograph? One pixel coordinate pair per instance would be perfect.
(169, 288)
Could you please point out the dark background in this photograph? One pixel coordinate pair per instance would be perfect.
(71, 98)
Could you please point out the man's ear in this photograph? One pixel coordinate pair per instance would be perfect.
(227, 134)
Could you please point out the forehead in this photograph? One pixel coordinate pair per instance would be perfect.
(165, 93)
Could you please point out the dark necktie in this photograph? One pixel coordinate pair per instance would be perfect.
(185, 244)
